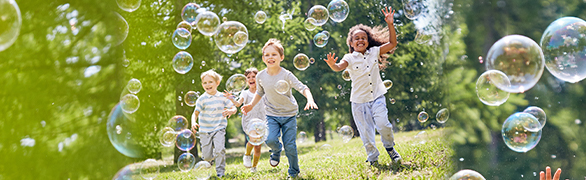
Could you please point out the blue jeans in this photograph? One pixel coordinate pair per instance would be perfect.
(288, 125)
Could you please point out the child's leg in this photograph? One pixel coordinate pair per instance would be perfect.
(289, 136)
(206, 146)
(249, 149)
(273, 138)
(219, 140)
(383, 126)
(365, 125)
(256, 156)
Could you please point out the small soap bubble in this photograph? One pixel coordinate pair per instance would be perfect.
(203, 170)
(392, 100)
(339, 86)
(301, 61)
(320, 40)
(563, 46)
(319, 13)
(553, 156)
(182, 62)
(577, 121)
(388, 84)
(181, 38)
(186, 162)
(167, 136)
(207, 23)
(129, 103)
(346, 75)
(309, 24)
(488, 92)
(178, 123)
(311, 60)
(346, 132)
(412, 8)
(236, 83)
(190, 98)
(480, 60)
(231, 37)
(302, 137)
(189, 13)
(260, 17)
(537, 113)
(518, 138)
(327, 150)
(282, 87)
(118, 126)
(185, 25)
(422, 117)
(442, 115)
(258, 131)
(134, 86)
(467, 174)
(338, 10)
(327, 33)
(224, 19)
(149, 169)
(185, 140)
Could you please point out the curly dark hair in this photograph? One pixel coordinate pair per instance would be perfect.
(377, 36)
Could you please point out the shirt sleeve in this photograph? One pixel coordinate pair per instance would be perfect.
(198, 105)
(295, 83)
(260, 90)
(347, 59)
(376, 51)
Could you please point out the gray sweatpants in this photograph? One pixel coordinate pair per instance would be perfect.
(213, 146)
(371, 115)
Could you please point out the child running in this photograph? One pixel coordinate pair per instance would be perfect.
(369, 109)
(281, 109)
(211, 109)
(257, 112)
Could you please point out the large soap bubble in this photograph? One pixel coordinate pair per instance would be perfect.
(564, 48)
(190, 98)
(338, 10)
(231, 37)
(185, 140)
(258, 131)
(537, 113)
(346, 132)
(189, 13)
(282, 87)
(516, 136)
(301, 61)
(181, 38)
(167, 136)
(260, 17)
(488, 92)
(320, 39)
(10, 23)
(127, 172)
(182, 62)
(128, 5)
(346, 75)
(412, 8)
(309, 24)
(185, 162)
(121, 31)
(442, 115)
(467, 174)
(236, 83)
(149, 169)
(203, 170)
(134, 86)
(319, 13)
(122, 133)
(520, 58)
(207, 23)
(178, 123)
(129, 103)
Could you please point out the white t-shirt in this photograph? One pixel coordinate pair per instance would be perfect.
(257, 111)
(367, 84)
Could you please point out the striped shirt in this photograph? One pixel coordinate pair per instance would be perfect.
(210, 108)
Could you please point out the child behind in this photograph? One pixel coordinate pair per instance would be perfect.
(369, 109)
(211, 110)
(281, 109)
(258, 111)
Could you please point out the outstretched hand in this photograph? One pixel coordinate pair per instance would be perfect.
(547, 174)
(389, 15)
(332, 59)
(310, 105)
(228, 94)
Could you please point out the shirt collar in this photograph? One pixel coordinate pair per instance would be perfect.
(356, 53)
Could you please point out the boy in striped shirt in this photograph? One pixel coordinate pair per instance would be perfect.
(211, 109)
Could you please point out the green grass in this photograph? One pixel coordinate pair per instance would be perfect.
(426, 156)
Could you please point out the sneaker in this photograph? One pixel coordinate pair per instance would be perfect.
(253, 169)
(372, 163)
(219, 175)
(246, 161)
(395, 156)
(274, 161)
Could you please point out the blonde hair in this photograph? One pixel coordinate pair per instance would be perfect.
(275, 43)
(212, 74)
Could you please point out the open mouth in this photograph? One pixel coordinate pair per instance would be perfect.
(251, 83)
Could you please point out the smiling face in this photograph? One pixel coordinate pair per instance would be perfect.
(271, 57)
(210, 85)
(359, 41)
(251, 79)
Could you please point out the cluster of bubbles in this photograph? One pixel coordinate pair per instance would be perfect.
(346, 132)
(257, 131)
(522, 130)
(182, 62)
(129, 102)
(128, 5)
(236, 83)
(282, 87)
(467, 174)
(260, 17)
(564, 48)
(321, 39)
(301, 61)
(11, 22)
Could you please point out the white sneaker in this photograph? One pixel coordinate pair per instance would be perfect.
(253, 169)
(246, 160)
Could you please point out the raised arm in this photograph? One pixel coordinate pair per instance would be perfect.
(385, 48)
(331, 61)
(248, 107)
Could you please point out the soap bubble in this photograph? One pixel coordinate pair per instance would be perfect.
(190, 98)
(127, 172)
(346, 132)
(189, 13)
(520, 58)
(181, 38)
(467, 174)
(120, 129)
(10, 21)
(236, 83)
(320, 40)
(327, 35)
(121, 30)
(327, 150)
(178, 123)
(412, 8)
(564, 48)
(282, 87)
(129, 103)
(128, 5)
(231, 37)
(319, 13)
(186, 162)
(258, 131)
(422, 116)
(346, 75)
(167, 136)
(149, 169)
(134, 86)
(182, 62)
(185, 25)
(388, 84)
(260, 17)
(203, 170)
(537, 113)
(301, 61)
(442, 115)
(309, 24)
(302, 137)
(393, 101)
(185, 140)
(487, 91)
(207, 23)
(311, 60)
(516, 136)
(423, 37)
(338, 10)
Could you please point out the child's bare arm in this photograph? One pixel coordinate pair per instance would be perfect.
(248, 107)
(310, 103)
(331, 61)
(194, 125)
(385, 48)
(231, 98)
